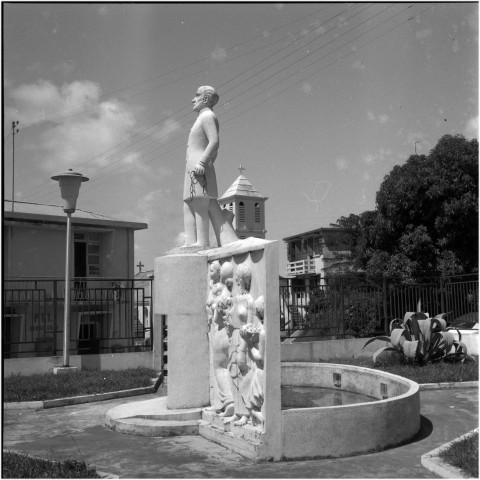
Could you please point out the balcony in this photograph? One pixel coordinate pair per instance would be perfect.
(301, 267)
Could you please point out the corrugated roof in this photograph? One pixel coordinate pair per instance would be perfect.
(241, 187)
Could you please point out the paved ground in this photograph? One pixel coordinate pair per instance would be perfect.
(78, 432)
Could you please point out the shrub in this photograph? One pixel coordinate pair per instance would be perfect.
(419, 338)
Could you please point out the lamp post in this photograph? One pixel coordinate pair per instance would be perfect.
(69, 187)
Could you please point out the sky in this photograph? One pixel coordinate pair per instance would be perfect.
(318, 102)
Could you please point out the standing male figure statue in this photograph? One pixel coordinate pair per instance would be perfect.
(200, 187)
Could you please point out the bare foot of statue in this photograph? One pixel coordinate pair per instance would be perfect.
(242, 421)
(229, 409)
(233, 418)
(257, 417)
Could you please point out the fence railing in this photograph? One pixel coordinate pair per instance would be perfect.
(106, 315)
(361, 307)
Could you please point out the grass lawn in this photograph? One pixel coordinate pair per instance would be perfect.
(19, 465)
(463, 454)
(25, 388)
(430, 373)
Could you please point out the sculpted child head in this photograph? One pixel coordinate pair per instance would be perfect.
(244, 276)
(215, 271)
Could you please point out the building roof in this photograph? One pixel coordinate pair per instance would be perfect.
(144, 275)
(318, 231)
(241, 187)
(28, 211)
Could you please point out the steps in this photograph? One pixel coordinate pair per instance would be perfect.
(152, 418)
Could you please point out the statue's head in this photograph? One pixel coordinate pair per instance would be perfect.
(215, 271)
(205, 97)
(244, 276)
(226, 274)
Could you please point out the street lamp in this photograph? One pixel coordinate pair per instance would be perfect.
(69, 187)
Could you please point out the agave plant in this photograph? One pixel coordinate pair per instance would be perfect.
(419, 338)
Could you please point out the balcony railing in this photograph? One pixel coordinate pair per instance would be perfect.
(301, 267)
(106, 315)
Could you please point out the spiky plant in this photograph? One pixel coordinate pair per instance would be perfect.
(421, 339)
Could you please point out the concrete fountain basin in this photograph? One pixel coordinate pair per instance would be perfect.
(389, 418)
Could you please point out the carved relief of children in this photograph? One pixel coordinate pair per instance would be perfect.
(253, 385)
(220, 302)
(241, 314)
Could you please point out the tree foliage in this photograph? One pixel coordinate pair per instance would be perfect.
(426, 217)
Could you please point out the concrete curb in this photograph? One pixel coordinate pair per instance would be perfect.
(446, 386)
(432, 461)
(62, 402)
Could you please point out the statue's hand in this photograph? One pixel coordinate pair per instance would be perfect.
(199, 169)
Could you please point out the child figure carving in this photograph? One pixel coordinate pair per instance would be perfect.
(253, 385)
(218, 304)
(238, 362)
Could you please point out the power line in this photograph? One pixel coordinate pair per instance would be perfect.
(156, 77)
(289, 86)
(282, 80)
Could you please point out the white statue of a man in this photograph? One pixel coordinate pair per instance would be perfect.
(200, 187)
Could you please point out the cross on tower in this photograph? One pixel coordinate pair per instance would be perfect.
(241, 169)
(140, 265)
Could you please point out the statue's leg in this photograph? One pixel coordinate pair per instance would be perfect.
(189, 224)
(200, 207)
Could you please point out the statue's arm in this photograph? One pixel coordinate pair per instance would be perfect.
(210, 128)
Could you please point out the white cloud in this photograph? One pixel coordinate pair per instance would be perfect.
(341, 163)
(471, 128)
(219, 54)
(423, 34)
(358, 65)
(44, 101)
(168, 129)
(77, 126)
(368, 158)
(306, 88)
(382, 119)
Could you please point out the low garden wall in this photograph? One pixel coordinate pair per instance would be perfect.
(102, 361)
(318, 351)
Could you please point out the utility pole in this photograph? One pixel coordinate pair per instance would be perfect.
(14, 132)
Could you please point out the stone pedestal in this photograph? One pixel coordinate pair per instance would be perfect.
(180, 289)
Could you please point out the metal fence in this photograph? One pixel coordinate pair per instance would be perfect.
(361, 307)
(106, 315)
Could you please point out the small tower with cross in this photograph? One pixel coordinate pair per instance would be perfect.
(248, 206)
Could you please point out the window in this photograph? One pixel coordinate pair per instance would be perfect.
(230, 207)
(257, 213)
(87, 254)
(93, 250)
(241, 212)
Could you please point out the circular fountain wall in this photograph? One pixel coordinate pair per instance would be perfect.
(390, 416)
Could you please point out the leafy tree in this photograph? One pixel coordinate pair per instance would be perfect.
(426, 217)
